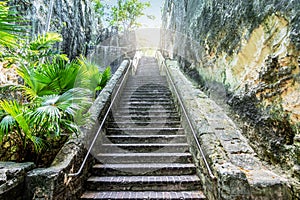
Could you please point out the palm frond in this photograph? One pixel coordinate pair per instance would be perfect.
(74, 100)
(6, 125)
(105, 77)
(70, 126)
(8, 26)
(14, 109)
(88, 75)
(46, 114)
(45, 42)
(39, 143)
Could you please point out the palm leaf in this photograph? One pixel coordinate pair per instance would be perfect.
(46, 114)
(45, 42)
(15, 111)
(39, 143)
(88, 75)
(6, 125)
(8, 26)
(105, 77)
(74, 100)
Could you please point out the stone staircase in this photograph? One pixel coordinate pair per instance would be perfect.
(145, 153)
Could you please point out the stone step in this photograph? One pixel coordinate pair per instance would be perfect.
(147, 103)
(147, 99)
(159, 87)
(157, 169)
(147, 108)
(142, 124)
(145, 131)
(148, 84)
(143, 195)
(144, 148)
(133, 139)
(144, 100)
(144, 183)
(142, 80)
(118, 158)
(150, 112)
(145, 117)
(145, 91)
(146, 95)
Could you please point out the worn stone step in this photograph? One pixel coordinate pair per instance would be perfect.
(144, 148)
(138, 183)
(142, 77)
(149, 84)
(142, 100)
(121, 139)
(143, 195)
(158, 87)
(145, 117)
(137, 91)
(146, 108)
(144, 157)
(145, 131)
(144, 92)
(157, 169)
(149, 112)
(147, 103)
(146, 95)
(141, 124)
(147, 99)
(137, 82)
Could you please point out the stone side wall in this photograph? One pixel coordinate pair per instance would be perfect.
(12, 179)
(74, 19)
(247, 53)
(53, 182)
(239, 173)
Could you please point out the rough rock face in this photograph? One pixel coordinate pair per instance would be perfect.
(74, 19)
(252, 50)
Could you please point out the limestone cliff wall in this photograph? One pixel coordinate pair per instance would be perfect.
(74, 19)
(251, 49)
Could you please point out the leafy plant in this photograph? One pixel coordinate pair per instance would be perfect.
(53, 77)
(103, 78)
(17, 120)
(53, 100)
(42, 46)
(43, 119)
(90, 77)
(8, 26)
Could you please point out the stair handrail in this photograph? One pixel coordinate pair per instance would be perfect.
(212, 176)
(102, 123)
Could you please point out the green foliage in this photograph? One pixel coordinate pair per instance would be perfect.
(41, 49)
(17, 120)
(56, 91)
(45, 42)
(103, 79)
(53, 77)
(125, 14)
(90, 76)
(53, 100)
(8, 26)
(99, 8)
(46, 117)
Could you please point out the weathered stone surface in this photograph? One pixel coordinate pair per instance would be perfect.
(12, 178)
(74, 19)
(244, 53)
(230, 157)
